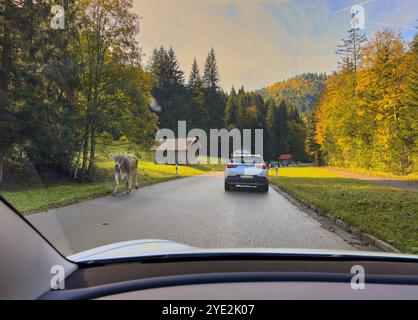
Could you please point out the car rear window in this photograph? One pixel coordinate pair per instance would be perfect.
(247, 160)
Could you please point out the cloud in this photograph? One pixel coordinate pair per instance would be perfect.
(257, 41)
(349, 7)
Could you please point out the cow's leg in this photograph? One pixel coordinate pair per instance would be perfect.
(129, 184)
(115, 190)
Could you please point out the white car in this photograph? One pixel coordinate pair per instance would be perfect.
(249, 171)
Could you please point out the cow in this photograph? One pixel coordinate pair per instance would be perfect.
(126, 167)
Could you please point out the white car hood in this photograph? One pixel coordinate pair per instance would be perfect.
(157, 248)
(130, 249)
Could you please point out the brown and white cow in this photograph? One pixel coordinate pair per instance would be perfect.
(126, 167)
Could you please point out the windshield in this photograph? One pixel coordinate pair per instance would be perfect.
(124, 121)
(247, 160)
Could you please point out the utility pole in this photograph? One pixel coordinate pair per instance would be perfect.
(355, 44)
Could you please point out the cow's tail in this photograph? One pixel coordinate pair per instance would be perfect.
(136, 173)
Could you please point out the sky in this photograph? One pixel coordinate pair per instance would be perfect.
(259, 42)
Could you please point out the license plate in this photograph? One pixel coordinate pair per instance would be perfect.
(246, 177)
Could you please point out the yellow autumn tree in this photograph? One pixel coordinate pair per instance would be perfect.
(369, 118)
(382, 96)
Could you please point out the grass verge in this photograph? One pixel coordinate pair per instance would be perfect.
(387, 213)
(30, 198)
(412, 177)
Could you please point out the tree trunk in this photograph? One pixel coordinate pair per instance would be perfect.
(85, 150)
(92, 153)
(1, 168)
(6, 71)
(76, 165)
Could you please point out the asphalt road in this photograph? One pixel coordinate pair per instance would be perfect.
(195, 211)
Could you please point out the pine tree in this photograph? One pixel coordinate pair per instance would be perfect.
(243, 102)
(176, 75)
(211, 75)
(350, 50)
(214, 99)
(165, 68)
(195, 79)
(168, 88)
(155, 65)
(198, 116)
(313, 149)
(282, 128)
(231, 110)
(277, 129)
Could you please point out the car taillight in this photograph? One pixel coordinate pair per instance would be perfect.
(231, 166)
(263, 166)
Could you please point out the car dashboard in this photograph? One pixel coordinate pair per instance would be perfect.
(239, 278)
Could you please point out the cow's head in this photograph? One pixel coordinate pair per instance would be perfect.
(118, 161)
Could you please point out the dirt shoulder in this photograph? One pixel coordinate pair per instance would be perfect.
(402, 184)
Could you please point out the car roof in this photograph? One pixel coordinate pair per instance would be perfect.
(255, 156)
